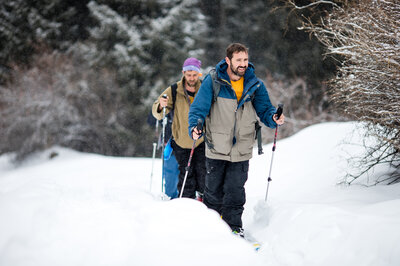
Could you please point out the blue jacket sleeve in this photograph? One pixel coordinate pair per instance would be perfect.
(262, 104)
(201, 105)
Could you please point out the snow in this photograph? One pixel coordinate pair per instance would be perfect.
(87, 209)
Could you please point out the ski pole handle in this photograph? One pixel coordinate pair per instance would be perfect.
(197, 130)
(163, 102)
(164, 122)
(199, 125)
(279, 111)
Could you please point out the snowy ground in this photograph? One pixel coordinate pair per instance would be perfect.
(85, 209)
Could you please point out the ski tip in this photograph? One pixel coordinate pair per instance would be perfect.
(256, 246)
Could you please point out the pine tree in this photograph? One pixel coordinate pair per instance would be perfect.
(27, 27)
(146, 53)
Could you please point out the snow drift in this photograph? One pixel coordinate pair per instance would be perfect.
(87, 209)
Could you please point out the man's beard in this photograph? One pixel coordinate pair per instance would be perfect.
(236, 72)
(191, 84)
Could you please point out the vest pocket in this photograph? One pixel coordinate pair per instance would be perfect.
(246, 139)
(221, 142)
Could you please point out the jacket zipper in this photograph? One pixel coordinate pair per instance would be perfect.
(237, 108)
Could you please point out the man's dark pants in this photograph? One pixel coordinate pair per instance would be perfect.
(197, 171)
(224, 190)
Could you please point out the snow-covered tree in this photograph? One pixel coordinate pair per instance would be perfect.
(98, 100)
(60, 101)
(139, 46)
(146, 51)
(28, 26)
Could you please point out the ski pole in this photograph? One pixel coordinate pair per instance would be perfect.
(153, 156)
(164, 123)
(199, 128)
(278, 113)
(152, 164)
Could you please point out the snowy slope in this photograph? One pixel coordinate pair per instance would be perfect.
(86, 209)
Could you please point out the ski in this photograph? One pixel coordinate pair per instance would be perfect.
(255, 244)
(249, 238)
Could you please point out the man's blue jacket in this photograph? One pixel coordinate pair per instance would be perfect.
(229, 123)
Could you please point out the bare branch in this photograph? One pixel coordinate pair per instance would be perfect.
(366, 37)
(312, 4)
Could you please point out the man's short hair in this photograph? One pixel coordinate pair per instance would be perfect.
(235, 48)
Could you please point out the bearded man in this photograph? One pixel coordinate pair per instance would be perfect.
(230, 131)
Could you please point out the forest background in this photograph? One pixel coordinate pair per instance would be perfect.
(83, 74)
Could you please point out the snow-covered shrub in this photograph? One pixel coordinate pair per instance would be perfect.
(366, 35)
(303, 104)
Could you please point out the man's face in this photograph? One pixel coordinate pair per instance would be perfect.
(239, 63)
(191, 77)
